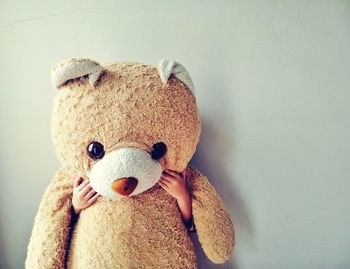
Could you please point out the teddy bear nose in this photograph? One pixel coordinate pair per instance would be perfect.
(125, 185)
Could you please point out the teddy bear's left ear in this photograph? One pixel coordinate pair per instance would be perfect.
(168, 67)
(75, 68)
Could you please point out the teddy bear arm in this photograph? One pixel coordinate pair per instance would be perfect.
(48, 242)
(212, 221)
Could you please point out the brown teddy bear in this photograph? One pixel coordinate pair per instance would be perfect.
(121, 125)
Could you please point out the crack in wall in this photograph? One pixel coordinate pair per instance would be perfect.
(20, 21)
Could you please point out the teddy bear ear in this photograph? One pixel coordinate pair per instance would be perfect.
(75, 68)
(167, 67)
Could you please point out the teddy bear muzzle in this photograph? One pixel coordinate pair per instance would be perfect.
(125, 186)
(124, 172)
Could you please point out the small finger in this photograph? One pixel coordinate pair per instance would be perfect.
(78, 181)
(90, 194)
(167, 177)
(168, 172)
(82, 185)
(93, 198)
(165, 180)
(172, 173)
(86, 190)
(162, 184)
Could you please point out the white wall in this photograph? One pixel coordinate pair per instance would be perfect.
(272, 82)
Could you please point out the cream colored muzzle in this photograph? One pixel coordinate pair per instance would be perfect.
(124, 172)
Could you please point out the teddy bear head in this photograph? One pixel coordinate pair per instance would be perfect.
(121, 124)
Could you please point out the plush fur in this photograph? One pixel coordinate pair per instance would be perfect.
(127, 105)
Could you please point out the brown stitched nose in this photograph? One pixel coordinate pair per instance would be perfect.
(125, 185)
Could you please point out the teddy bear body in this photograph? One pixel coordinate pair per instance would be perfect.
(130, 231)
(127, 108)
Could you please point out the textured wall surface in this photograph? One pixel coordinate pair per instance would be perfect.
(272, 84)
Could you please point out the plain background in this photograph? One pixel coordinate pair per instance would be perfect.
(272, 84)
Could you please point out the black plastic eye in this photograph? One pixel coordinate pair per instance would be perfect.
(158, 150)
(95, 150)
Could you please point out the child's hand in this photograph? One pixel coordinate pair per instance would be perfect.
(174, 184)
(83, 195)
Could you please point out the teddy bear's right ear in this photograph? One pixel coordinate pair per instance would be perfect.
(168, 67)
(75, 68)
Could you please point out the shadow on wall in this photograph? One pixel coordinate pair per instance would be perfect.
(214, 158)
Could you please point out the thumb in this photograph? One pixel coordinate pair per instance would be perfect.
(184, 174)
(78, 181)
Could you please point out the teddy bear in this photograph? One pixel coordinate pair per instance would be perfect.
(120, 125)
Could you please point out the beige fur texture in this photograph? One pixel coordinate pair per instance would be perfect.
(128, 105)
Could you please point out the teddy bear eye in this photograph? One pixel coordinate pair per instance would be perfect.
(158, 150)
(95, 150)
